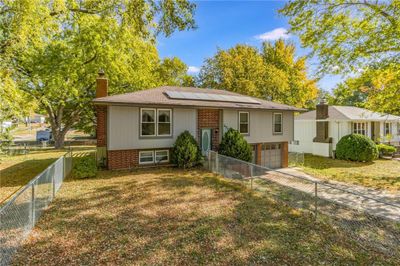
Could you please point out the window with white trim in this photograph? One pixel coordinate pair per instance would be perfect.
(148, 122)
(277, 123)
(360, 128)
(164, 122)
(146, 157)
(244, 122)
(155, 122)
(162, 156)
(388, 128)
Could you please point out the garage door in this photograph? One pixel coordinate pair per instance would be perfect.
(271, 155)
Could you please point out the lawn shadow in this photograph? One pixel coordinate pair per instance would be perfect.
(179, 218)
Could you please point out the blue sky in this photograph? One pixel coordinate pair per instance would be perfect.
(223, 24)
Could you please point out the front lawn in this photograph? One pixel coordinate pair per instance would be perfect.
(18, 170)
(381, 174)
(169, 216)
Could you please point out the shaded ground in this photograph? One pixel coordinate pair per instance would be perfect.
(168, 216)
(380, 174)
(18, 170)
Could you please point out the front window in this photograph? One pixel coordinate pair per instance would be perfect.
(162, 156)
(155, 122)
(148, 122)
(360, 128)
(277, 123)
(146, 157)
(388, 128)
(164, 122)
(244, 122)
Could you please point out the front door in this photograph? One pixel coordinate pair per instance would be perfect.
(205, 140)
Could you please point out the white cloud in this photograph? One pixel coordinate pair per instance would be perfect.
(193, 70)
(273, 35)
(335, 68)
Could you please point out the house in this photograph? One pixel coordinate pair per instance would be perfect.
(319, 131)
(140, 128)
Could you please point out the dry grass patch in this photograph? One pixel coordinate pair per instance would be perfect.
(169, 216)
(380, 174)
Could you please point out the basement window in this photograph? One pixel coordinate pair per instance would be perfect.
(162, 156)
(146, 157)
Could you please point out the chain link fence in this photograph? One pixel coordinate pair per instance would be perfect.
(371, 223)
(19, 214)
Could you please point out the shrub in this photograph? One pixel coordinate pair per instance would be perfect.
(385, 149)
(355, 147)
(234, 145)
(84, 167)
(186, 152)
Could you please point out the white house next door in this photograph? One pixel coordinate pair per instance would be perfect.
(205, 140)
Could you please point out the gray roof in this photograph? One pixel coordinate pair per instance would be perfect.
(349, 113)
(158, 96)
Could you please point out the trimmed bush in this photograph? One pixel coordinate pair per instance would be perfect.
(84, 167)
(385, 149)
(356, 147)
(186, 152)
(234, 145)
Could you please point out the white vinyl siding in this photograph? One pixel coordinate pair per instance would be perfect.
(260, 125)
(123, 131)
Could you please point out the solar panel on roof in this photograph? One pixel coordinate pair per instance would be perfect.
(210, 97)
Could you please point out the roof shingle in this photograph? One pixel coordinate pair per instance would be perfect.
(157, 96)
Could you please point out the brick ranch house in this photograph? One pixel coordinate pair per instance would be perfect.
(140, 128)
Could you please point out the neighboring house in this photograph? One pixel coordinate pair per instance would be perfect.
(319, 131)
(140, 128)
(36, 118)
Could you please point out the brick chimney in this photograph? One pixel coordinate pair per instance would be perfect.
(322, 113)
(102, 85)
(101, 115)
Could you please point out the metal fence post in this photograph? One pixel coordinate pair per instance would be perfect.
(316, 199)
(33, 205)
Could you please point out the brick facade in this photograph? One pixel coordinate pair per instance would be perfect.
(122, 159)
(101, 128)
(209, 118)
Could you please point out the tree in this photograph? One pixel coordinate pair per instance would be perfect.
(273, 73)
(347, 35)
(186, 152)
(55, 49)
(377, 89)
(234, 145)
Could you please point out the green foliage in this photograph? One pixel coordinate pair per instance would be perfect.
(54, 49)
(272, 73)
(234, 145)
(377, 89)
(84, 167)
(385, 149)
(186, 152)
(346, 35)
(356, 147)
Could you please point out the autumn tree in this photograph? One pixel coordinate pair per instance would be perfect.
(274, 73)
(347, 35)
(55, 49)
(377, 88)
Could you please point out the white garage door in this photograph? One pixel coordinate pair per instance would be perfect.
(271, 155)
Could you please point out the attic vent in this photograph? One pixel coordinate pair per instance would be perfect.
(197, 96)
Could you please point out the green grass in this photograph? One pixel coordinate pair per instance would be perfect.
(172, 217)
(18, 170)
(381, 174)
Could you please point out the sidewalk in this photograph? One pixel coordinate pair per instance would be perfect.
(363, 198)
